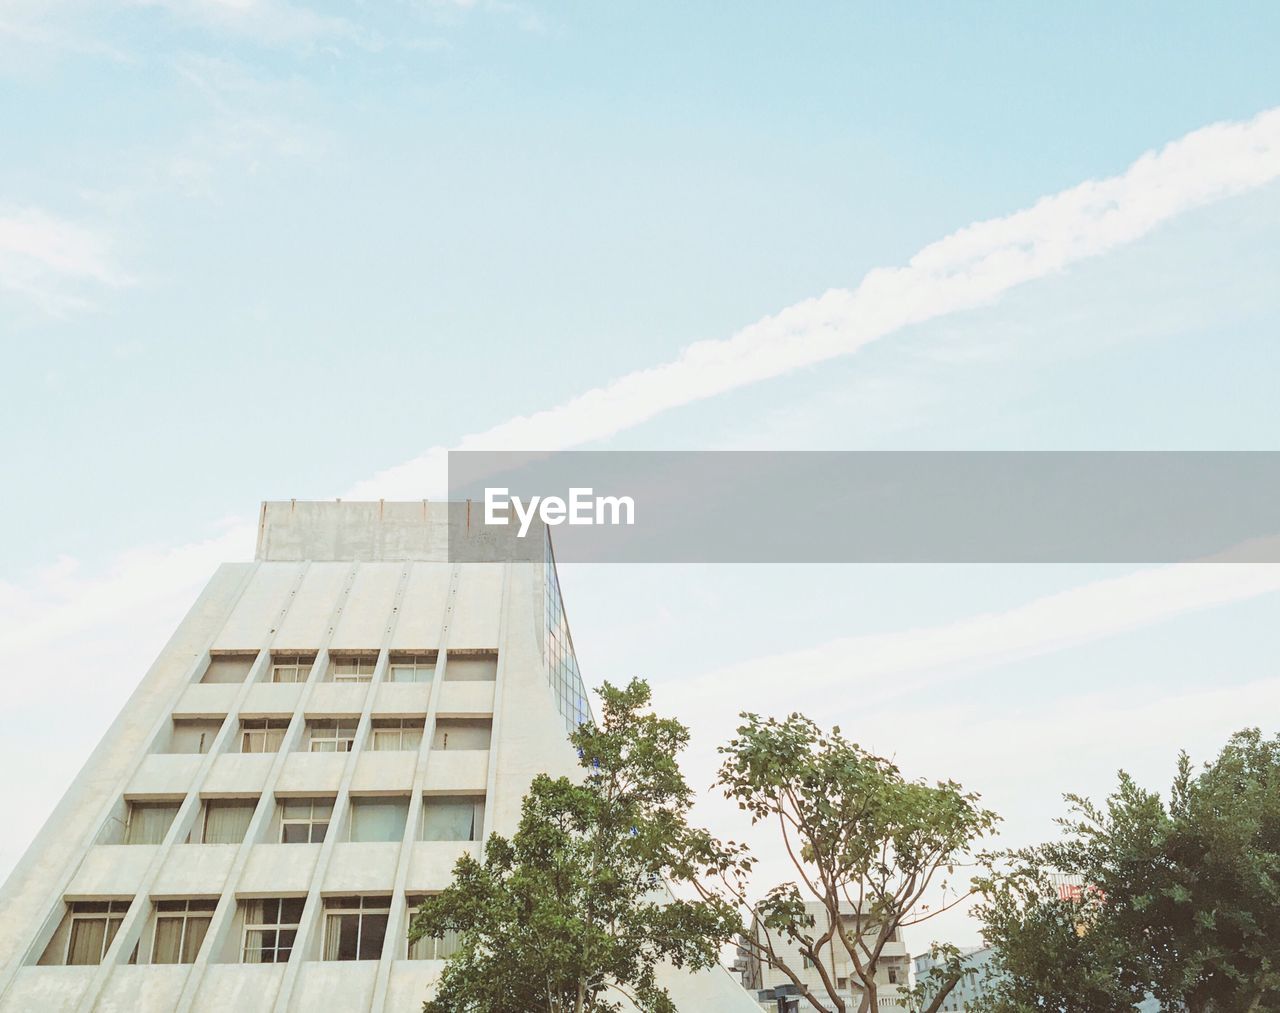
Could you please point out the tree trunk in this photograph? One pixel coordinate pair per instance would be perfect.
(943, 992)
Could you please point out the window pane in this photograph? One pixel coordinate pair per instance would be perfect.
(87, 936)
(196, 929)
(373, 931)
(168, 943)
(295, 833)
(113, 925)
(465, 668)
(450, 819)
(259, 945)
(149, 823)
(341, 936)
(227, 821)
(378, 820)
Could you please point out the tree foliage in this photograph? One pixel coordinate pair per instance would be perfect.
(932, 988)
(867, 844)
(571, 912)
(1181, 899)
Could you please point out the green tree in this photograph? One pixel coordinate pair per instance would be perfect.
(868, 845)
(1181, 899)
(572, 911)
(932, 988)
(1053, 952)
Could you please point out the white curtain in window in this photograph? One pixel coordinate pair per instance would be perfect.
(420, 670)
(435, 947)
(378, 820)
(410, 738)
(450, 819)
(226, 822)
(255, 914)
(397, 738)
(340, 934)
(173, 945)
(168, 944)
(253, 943)
(87, 939)
(194, 938)
(148, 823)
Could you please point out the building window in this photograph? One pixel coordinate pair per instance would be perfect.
(262, 735)
(180, 929)
(305, 820)
(354, 927)
(355, 668)
(893, 975)
(291, 667)
(452, 818)
(471, 666)
(397, 734)
(412, 667)
(224, 668)
(431, 947)
(148, 822)
(378, 818)
(270, 927)
(193, 735)
(462, 733)
(226, 820)
(94, 924)
(331, 735)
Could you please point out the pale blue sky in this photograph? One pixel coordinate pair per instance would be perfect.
(359, 239)
(258, 250)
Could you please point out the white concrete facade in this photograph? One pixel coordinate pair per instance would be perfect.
(231, 816)
(892, 976)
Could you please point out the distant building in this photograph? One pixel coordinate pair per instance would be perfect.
(979, 979)
(972, 986)
(775, 991)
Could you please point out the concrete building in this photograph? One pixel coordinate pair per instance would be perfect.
(774, 990)
(328, 729)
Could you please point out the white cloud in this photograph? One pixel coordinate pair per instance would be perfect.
(32, 31)
(269, 22)
(53, 261)
(969, 268)
(877, 668)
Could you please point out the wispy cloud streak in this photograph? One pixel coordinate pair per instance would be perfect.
(969, 268)
(883, 666)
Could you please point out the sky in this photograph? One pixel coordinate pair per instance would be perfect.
(254, 250)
